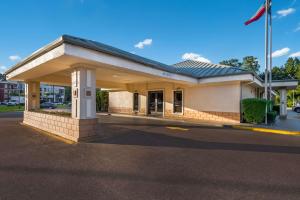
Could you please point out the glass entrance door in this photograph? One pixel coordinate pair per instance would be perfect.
(155, 103)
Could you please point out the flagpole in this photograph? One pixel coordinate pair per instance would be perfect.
(271, 47)
(266, 57)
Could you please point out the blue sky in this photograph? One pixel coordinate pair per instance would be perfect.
(163, 30)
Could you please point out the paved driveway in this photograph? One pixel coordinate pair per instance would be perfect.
(142, 159)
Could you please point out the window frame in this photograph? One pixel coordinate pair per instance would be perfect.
(138, 102)
(182, 101)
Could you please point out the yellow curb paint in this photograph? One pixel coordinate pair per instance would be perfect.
(50, 135)
(265, 130)
(177, 128)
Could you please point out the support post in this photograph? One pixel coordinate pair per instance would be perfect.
(32, 95)
(83, 92)
(283, 103)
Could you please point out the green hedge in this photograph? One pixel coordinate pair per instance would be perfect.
(254, 110)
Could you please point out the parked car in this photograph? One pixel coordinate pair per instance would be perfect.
(48, 105)
(297, 109)
(11, 103)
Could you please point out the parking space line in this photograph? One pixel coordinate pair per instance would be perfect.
(177, 128)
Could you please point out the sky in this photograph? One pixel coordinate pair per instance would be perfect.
(167, 31)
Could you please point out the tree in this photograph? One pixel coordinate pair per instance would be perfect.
(2, 77)
(279, 73)
(231, 62)
(67, 94)
(101, 100)
(250, 63)
(292, 68)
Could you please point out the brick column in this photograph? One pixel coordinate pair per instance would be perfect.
(84, 99)
(83, 92)
(32, 95)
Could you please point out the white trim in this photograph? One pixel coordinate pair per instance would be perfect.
(228, 78)
(182, 106)
(285, 84)
(51, 55)
(121, 63)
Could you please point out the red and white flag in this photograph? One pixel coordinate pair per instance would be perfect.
(261, 11)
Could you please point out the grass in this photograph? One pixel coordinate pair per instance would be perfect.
(11, 108)
(63, 106)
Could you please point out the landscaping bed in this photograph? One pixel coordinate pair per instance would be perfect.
(4, 108)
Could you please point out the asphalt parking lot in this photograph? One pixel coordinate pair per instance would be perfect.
(148, 159)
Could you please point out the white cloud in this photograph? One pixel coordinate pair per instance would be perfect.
(146, 42)
(294, 55)
(280, 52)
(298, 28)
(2, 69)
(286, 12)
(195, 57)
(14, 58)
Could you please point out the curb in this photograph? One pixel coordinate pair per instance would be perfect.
(267, 130)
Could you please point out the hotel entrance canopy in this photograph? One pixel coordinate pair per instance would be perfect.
(85, 65)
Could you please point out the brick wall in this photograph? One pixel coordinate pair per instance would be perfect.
(120, 110)
(226, 117)
(66, 127)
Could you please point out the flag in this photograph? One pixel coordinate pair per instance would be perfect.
(261, 11)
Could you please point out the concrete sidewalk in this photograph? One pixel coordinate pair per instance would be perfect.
(288, 126)
(292, 123)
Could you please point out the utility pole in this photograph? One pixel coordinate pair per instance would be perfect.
(271, 47)
(266, 57)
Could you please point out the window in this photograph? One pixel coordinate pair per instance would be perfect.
(177, 104)
(136, 102)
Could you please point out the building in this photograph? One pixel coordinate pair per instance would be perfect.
(137, 86)
(11, 90)
(52, 93)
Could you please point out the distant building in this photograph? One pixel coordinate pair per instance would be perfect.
(54, 94)
(14, 91)
(9, 89)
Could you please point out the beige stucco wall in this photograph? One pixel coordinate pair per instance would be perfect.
(248, 91)
(219, 98)
(121, 102)
(218, 102)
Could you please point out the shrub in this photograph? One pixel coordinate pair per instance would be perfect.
(254, 110)
(276, 108)
(270, 105)
(271, 116)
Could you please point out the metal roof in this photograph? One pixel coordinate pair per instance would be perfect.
(97, 46)
(205, 70)
(189, 68)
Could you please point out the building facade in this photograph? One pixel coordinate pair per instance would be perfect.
(9, 90)
(219, 101)
(137, 85)
(52, 93)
